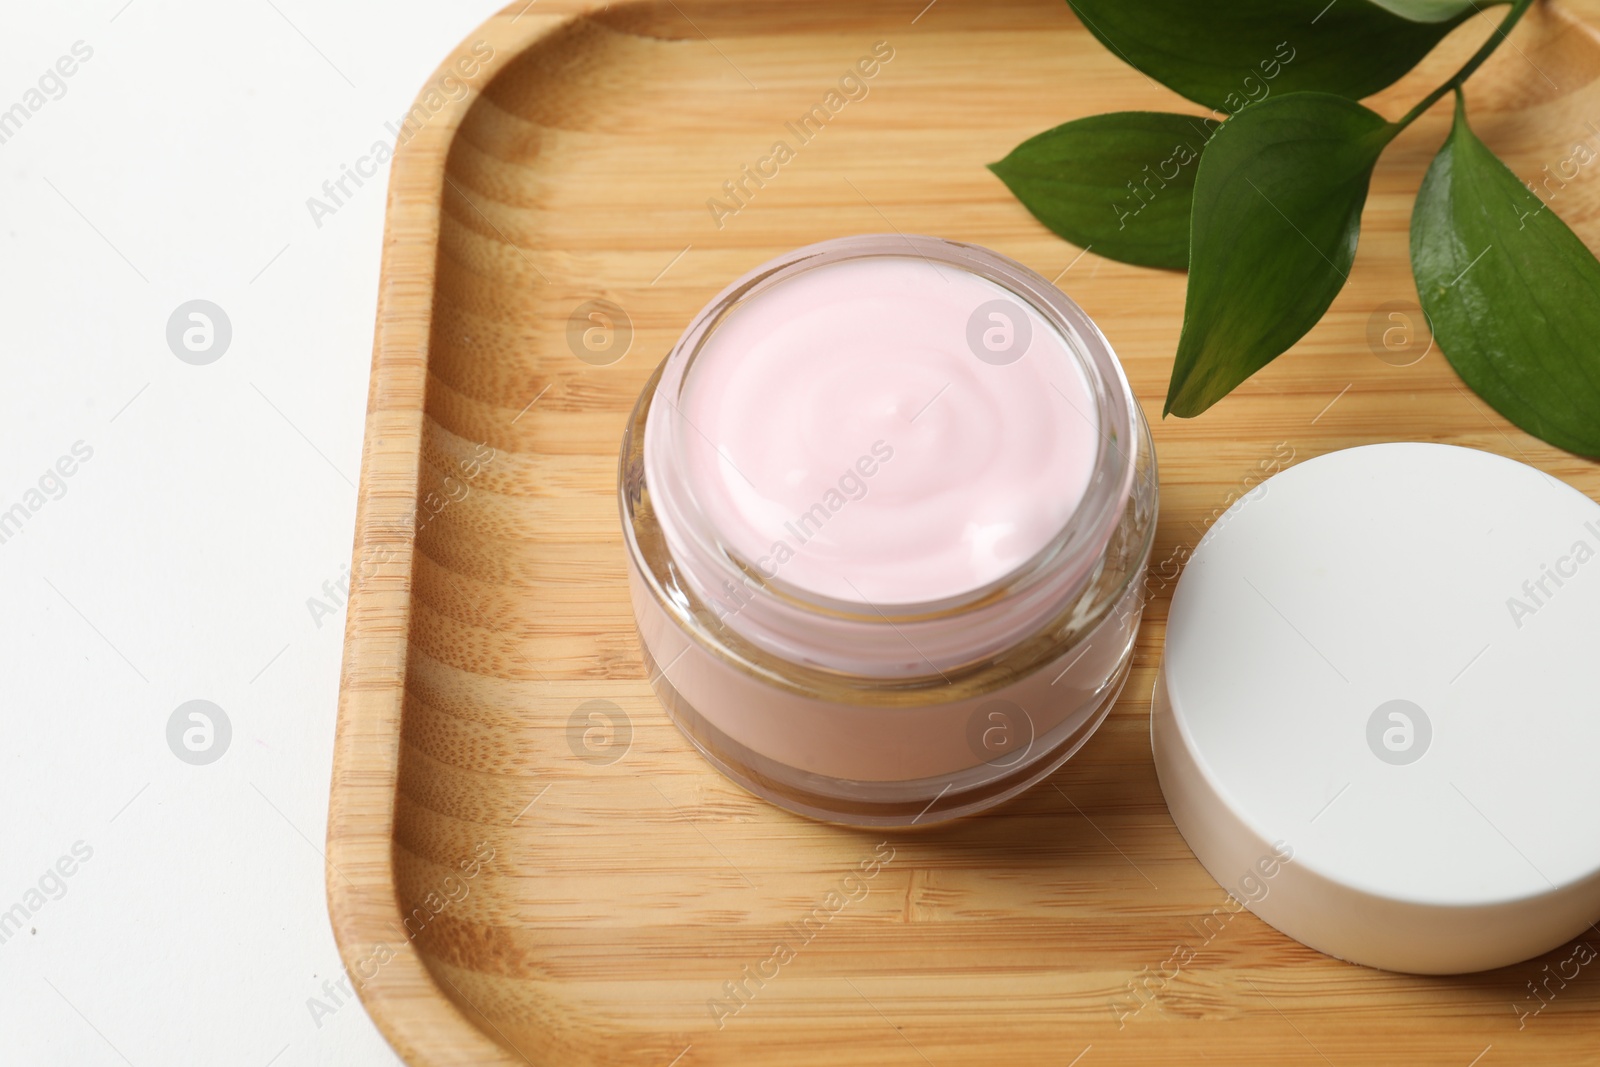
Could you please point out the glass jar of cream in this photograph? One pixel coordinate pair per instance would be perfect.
(888, 505)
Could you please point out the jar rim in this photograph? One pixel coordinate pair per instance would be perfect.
(772, 612)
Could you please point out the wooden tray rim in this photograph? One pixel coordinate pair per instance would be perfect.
(395, 986)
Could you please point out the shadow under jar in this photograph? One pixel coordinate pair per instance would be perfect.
(888, 505)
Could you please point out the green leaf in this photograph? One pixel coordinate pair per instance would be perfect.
(1227, 54)
(1427, 10)
(1277, 212)
(1512, 293)
(1120, 183)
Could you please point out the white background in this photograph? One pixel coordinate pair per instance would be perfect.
(178, 564)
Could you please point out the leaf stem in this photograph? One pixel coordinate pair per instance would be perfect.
(1483, 53)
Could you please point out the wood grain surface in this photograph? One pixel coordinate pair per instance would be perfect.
(519, 875)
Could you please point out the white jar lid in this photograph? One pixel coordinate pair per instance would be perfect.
(1385, 663)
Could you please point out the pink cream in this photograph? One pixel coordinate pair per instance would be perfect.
(850, 442)
(887, 506)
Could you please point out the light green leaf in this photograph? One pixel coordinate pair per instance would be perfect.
(1120, 183)
(1277, 212)
(1228, 54)
(1512, 293)
(1427, 10)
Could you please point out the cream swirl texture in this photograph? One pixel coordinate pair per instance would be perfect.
(887, 431)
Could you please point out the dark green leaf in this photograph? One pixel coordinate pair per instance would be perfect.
(1277, 211)
(1512, 293)
(1227, 54)
(1119, 182)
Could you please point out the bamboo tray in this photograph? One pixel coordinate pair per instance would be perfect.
(527, 863)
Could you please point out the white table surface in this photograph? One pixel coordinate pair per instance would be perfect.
(176, 563)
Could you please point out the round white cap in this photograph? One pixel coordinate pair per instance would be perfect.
(1379, 706)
